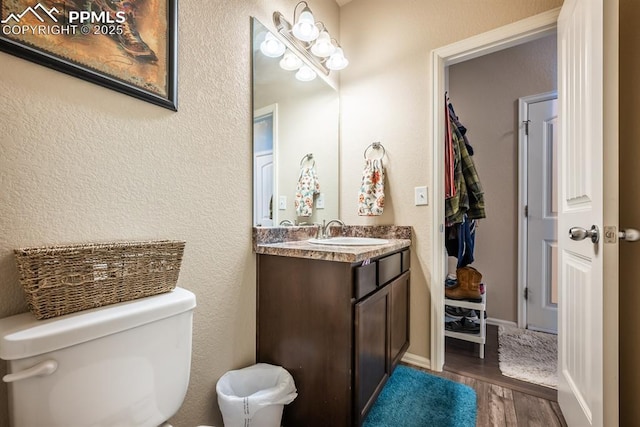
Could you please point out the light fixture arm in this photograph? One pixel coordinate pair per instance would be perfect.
(306, 6)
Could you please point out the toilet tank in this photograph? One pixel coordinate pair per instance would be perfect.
(126, 364)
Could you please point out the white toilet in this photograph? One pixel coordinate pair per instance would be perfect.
(124, 365)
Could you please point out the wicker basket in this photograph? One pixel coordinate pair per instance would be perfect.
(64, 279)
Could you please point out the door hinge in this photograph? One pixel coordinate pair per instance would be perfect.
(526, 126)
(526, 211)
(526, 293)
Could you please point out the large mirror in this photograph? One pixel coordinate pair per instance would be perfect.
(295, 142)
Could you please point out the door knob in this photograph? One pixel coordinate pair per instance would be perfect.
(630, 235)
(579, 233)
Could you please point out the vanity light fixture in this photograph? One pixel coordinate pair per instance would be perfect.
(312, 39)
(272, 47)
(323, 46)
(337, 61)
(290, 61)
(306, 74)
(305, 27)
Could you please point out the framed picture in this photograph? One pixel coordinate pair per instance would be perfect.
(126, 45)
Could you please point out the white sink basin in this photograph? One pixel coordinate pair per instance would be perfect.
(349, 241)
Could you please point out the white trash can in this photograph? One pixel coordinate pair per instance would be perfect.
(255, 396)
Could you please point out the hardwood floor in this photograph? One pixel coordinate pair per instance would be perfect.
(461, 357)
(503, 407)
(502, 401)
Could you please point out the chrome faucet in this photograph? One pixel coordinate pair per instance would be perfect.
(323, 230)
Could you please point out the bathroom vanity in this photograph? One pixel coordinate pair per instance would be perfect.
(337, 318)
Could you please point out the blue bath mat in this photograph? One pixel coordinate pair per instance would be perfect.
(412, 398)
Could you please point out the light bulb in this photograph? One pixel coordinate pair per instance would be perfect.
(337, 61)
(305, 29)
(290, 61)
(305, 74)
(323, 46)
(271, 46)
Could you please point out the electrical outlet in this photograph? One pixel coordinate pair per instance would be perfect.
(320, 201)
(282, 203)
(421, 196)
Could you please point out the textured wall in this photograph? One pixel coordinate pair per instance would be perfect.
(485, 92)
(386, 96)
(82, 163)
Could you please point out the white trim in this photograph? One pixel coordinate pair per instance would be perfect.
(523, 198)
(523, 31)
(419, 361)
(547, 331)
(500, 322)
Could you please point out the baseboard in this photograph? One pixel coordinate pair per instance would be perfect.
(419, 361)
(500, 322)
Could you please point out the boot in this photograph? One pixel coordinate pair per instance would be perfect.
(130, 40)
(468, 285)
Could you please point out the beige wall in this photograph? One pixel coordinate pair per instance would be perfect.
(81, 163)
(629, 210)
(385, 95)
(484, 92)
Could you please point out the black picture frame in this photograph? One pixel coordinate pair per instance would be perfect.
(164, 93)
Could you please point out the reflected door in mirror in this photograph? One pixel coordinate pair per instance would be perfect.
(263, 166)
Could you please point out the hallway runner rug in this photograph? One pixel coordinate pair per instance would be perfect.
(413, 398)
(528, 355)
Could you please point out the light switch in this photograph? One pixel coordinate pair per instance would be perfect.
(282, 203)
(421, 196)
(320, 201)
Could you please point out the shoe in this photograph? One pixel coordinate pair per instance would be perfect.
(132, 43)
(468, 285)
(457, 313)
(129, 39)
(453, 326)
(469, 327)
(450, 282)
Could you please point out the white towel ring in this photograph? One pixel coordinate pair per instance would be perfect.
(375, 146)
(308, 157)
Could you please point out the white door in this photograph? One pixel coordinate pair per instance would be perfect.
(264, 214)
(265, 152)
(542, 208)
(587, 73)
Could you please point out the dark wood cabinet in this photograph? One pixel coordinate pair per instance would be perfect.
(371, 349)
(338, 328)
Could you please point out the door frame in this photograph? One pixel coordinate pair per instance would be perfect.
(523, 198)
(514, 34)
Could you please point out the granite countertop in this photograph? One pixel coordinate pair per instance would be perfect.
(293, 242)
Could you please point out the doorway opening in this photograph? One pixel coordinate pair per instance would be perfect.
(522, 32)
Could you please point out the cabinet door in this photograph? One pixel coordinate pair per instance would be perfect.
(372, 349)
(399, 318)
(305, 325)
